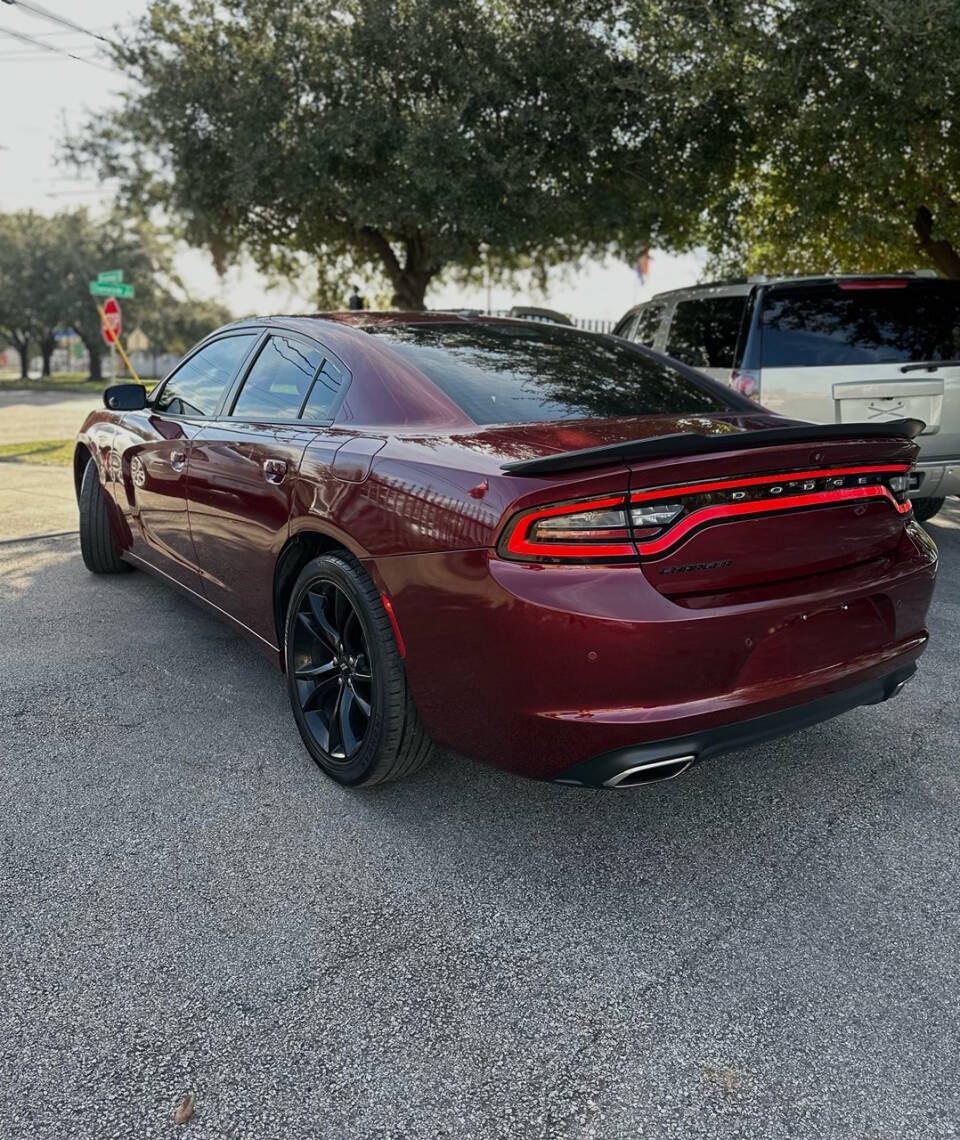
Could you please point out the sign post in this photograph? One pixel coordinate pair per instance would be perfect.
(110, 284)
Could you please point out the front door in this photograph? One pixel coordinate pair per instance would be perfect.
(153, 448)
(243, 470)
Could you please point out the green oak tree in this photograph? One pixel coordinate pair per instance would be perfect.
(415, 138)
(848, 156)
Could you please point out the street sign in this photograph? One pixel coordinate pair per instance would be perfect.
(113, 275)
(109, 289)
(111, 323)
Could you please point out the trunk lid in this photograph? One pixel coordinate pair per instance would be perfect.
(763, 515)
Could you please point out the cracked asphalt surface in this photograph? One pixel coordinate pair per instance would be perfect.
(767, 947)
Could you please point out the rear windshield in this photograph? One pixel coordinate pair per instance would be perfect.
(830, 325)
(511, 374)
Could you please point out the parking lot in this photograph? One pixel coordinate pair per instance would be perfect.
(766, 947)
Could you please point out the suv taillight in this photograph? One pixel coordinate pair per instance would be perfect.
(747, 383)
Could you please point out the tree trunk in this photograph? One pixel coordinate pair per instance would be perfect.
(92, 345)
(409, 280)
(23, 350)
(47, 346)
(944, 257)
(96, 370)
(409, 290)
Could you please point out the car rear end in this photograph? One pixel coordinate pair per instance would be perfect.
(656, 588)
(862, 349)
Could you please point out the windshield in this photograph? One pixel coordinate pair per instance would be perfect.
(511, 374)
(810, 326)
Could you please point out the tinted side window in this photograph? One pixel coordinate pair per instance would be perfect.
(278, 381)
(325, 392)
(648, 322)
(196, 387)
(704, 332)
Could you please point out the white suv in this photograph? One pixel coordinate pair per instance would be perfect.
(831, 350)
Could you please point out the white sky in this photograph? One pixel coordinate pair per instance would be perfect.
(40, 89)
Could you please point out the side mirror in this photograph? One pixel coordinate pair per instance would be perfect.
(125, 397)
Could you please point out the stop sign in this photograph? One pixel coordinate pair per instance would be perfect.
(111, 323)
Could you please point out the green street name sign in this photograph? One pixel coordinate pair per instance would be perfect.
(108, 289)
(114, 275)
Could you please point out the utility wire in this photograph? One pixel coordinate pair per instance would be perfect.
(46, 14)
(50, 47)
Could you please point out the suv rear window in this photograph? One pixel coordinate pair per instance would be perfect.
(704, 331)
(818, 325)
(510, 374)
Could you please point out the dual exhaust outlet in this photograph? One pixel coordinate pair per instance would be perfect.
(653, 772)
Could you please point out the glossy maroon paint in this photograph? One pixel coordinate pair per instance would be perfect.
(528, 666)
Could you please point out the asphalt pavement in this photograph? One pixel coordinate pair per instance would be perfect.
(766, 947)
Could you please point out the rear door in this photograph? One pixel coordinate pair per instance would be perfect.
(846, 352)
(153, 448)
(704, 330)
(243, 470)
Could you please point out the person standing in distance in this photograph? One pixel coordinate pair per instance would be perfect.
(356, 301)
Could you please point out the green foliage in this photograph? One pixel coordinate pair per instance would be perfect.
(409, 138)
(46, 265)
(849, 156)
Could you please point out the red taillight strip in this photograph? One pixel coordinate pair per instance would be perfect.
(731, 510)
(756, 481)
(517, 542)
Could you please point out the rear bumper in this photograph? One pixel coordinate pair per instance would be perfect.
(627, 767)
(936, 478)
(539, 669)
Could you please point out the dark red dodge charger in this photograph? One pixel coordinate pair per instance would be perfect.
(555, 551)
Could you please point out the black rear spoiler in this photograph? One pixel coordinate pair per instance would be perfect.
(691, 443)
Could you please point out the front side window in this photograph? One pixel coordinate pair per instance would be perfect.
(511, 374)
(198, 385)
(704, 331)
(279, 380)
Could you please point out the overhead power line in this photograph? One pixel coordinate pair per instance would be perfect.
(45, 14)
(49, 47)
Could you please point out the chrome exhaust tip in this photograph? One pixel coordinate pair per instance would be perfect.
(653, 772)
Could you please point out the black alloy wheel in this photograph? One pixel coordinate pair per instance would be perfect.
(332, 671)
(346, 676)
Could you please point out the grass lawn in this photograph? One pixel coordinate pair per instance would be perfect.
(54, 451)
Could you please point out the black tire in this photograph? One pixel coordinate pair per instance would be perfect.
(924, 509)
(364, 669)
(97, 544)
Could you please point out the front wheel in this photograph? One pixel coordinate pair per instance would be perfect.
(924, 509)
(347, 684)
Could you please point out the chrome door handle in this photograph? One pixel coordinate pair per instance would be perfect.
(274, 470)
(177, 460)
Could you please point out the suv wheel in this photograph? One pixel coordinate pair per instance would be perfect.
(924, 509)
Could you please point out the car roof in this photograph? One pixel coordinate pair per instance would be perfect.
(741, 286)
(394, 392)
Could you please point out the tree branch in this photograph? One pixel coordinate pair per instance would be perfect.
(941, 252)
